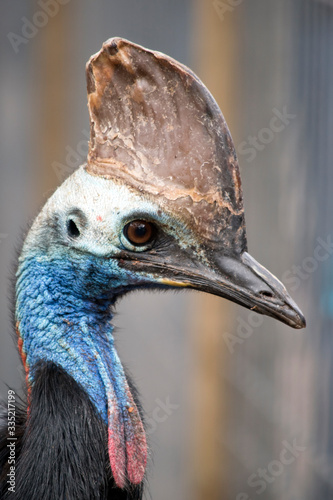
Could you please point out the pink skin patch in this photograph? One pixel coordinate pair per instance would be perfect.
(117, 454)
(99, 218)
(127, 443)
(136, 443)
(25, 363)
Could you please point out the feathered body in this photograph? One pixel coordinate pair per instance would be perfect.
(61, 450)
(159, 204)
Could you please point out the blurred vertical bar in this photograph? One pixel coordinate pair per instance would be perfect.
(214, 53)
(52, 55)
(282, 379)
(313, 91)
(33, 85)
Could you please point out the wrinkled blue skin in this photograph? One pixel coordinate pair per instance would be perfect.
(63, 309)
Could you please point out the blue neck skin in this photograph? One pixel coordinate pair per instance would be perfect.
(63, 315)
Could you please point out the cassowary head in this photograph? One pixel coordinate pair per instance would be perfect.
(158, 204)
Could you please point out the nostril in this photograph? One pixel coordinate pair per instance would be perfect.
(72, 229)
(266, 293)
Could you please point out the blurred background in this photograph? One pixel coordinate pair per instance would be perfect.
(238, 406)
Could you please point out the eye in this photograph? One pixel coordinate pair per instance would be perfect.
(139, 232)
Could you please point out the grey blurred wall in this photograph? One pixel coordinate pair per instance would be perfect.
(280, 380)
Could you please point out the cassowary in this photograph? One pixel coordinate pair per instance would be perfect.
(157, 205)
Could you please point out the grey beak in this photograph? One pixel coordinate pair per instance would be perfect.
(240, 279)
(245, 281)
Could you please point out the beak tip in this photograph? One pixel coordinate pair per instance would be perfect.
(296, 317)
(301, 323)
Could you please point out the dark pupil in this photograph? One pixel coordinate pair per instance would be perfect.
(140, 231)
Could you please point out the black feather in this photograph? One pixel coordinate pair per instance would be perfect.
(61, 448)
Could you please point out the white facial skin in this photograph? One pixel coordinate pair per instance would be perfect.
(107, 206)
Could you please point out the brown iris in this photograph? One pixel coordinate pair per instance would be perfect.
(139, 232)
